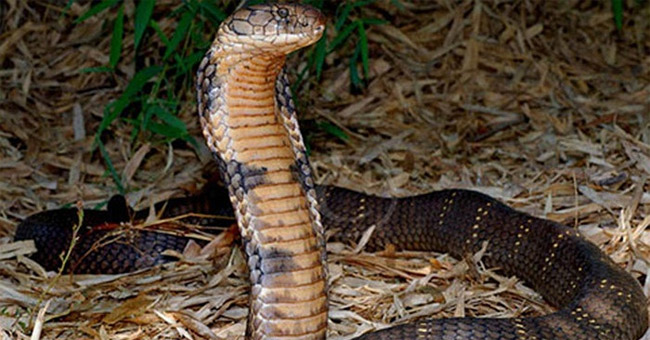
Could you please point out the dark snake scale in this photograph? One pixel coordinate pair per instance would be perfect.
(250, 124)
(104, 246)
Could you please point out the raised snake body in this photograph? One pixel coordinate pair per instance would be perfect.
(249, 122)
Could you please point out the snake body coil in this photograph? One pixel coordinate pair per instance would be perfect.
(249, 122)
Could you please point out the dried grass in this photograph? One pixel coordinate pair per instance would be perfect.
(540, 104)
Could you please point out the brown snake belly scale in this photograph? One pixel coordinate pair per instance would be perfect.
(249, 122)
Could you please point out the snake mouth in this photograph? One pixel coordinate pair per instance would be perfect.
(314, 18)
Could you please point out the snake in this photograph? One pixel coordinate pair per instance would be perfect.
(249, 121)
(106, 243)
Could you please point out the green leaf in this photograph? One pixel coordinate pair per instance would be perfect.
(363, 3)
(166, 130)
(96, 9)
(363, 43)
(617, 10)
(116, 39)
(340, 18)
(373, 21)
(190, 139)
(111, 168)
(333, 130)
(171, 120)
(66, 9)
(212, 12)
(354, 75)
(114, 109)
(173, 127)
(159, 32)
(315, 3)
(139, 79)
(96, 69)
(135, 124)
(142, 16)
(254, 2)
(193, 59)
(319, 54)
(341, 36)
(197, 35)
(179, 33)
(149, 112)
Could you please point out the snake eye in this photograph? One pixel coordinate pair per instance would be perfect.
(283, 12)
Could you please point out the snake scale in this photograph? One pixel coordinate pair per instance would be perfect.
(249, 122)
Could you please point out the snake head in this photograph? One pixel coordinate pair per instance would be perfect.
(271, 28)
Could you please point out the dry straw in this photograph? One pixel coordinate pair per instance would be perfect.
(540, 104)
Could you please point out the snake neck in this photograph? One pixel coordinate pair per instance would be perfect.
(249, 121)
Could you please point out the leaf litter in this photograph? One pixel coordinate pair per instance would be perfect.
(543, 105)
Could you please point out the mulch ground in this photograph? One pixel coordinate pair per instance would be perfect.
(541, 104)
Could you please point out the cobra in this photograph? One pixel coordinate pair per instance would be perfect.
(249, 122)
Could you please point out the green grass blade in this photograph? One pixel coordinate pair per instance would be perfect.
(193, 59)
(111, 168)
(149, 112)
(363, 3)
(363, 45)
(172, 128)
(116, 38)
(354, 75)
(340, 38)
(135, 124)
(315, 3)
(66, 9)
(142, 16)
(171, 120)
(254, 2)
(192, 141)
(166, 130)
(341, 17)
(212, 12)
(617, 10)
(96, 9)
(68, 5)
(96, 69)
(139, 79)
(159, 32)
(333, 130)
(179, 33)
(373, 21)
(319, 54)
(113, 110)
